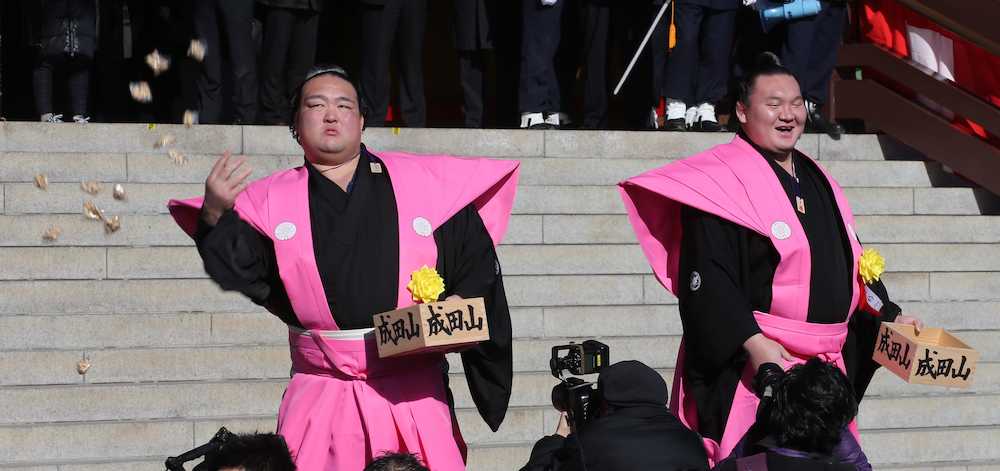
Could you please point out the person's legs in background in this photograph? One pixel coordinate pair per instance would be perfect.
(538, 90)
(237, 20)
(42, 81)
(378, 26)
(206, 29)
(717, 31)
(279, 24)
(412, 26)
(683, 64)
(596, 18)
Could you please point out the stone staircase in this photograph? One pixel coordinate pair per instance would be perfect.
(173, 358)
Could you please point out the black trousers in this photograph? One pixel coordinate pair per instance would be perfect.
(538, 87)
(399, 25)
(698, 70)
(289, 52)
(471, 67)
(234, 17)
(595, 20)
(77, 72)
(810, 50)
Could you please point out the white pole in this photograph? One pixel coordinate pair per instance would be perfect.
(635, 57)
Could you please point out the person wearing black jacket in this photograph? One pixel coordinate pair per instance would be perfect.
(389, 25)
(290, 31)
(235, 18)
(475, 31)
(65, 35)
(636, 431)
(802, 415)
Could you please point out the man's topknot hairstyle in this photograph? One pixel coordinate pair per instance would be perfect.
(767, 64)
(316, 71)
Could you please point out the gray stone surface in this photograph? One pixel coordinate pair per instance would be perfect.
(62, 167)
(572, 259)
(583, 171)
(101, 137)
(587, 229)
(67, 198)
(965, 286)
(928, 229)
(879, 174)
(654, 293)
(157, 167)
(96, 297)
(896, 413)
(957, 201)
(136, 230)
(154, 262)
(133, 402)
(568, 200)
(629, 144)
(93, 441)
(461, 142)
(523, 230)
(874, 201)
(940, 257)
(98, 331)
(936, 444)
(67, 263)
(563, 290)
(855, 147)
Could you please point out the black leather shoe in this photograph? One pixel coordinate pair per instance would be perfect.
(677, 124)
(816, 123)
(707, 126)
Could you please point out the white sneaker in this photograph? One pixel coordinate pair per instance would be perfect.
(531, 119)
(675, 110)
(51, 118)
(706, 120)
(79, 118)
(690, 116)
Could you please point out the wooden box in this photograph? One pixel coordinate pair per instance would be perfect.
(934, 356)
(441, 325)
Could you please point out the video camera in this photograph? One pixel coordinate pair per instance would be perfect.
(208, 450)
(578, 398)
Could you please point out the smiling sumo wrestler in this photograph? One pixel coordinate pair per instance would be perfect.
(757, 242)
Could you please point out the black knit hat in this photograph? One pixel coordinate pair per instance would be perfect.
(632, 383)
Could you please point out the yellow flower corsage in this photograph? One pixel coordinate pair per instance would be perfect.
(871, 265)
(425, 285)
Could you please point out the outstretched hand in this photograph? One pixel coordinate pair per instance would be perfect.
(224, 183)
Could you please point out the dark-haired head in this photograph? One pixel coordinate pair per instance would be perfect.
(255, 452)
(396, 462)
(811, 406)
(328, 115)
(316, 71)
(770, 107)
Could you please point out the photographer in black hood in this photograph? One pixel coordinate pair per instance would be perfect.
(633, 430)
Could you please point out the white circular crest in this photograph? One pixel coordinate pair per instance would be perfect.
(695, 281)
(781, 230)
(285, 231)
(422, 226)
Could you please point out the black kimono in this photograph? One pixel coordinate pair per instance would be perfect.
(356, 245)
(737, 268)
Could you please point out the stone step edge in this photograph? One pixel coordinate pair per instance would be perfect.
(224, 418)
(277, 343)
